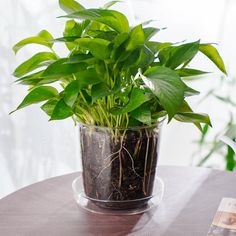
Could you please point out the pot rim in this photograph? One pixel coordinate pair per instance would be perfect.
(157, 125)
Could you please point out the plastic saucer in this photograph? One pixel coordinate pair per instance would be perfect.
(88, 204)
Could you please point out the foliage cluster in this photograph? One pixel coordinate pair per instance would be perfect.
(114, 75)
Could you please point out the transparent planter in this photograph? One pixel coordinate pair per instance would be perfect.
(119, 167)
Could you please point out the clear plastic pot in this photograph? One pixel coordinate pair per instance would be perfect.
(119, 165)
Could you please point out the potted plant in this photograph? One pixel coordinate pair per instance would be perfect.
(117, 84)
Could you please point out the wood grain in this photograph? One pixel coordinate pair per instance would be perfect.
(191, 198)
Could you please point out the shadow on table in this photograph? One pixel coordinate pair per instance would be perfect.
(116, 225)
(71, 221)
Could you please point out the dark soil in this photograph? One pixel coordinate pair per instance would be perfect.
(119, 169)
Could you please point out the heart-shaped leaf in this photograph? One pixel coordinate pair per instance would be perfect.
(167, 86)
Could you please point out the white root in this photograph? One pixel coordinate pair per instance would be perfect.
(132, 161)
(117, 155)
(106, 167)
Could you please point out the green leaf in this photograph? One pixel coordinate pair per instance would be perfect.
(130, 59)
(155, 47)
(49, 106)
(45, 35)
(178, 55)
(187, 72)
(118, 52)
(99, 48)
(146, 57)
(137, 98)
(71, 92)
(137, 38)
(61, 111)
(65, 39)
(204, 133)
(99, 91)
(142, 114)
(78, 58)
(167, 86)
(86, 96)
(150, 32)
(111, 18)
(186, 114)
(34, 62)
(191, 117)
(230, 162)
(75, 29)
(60, 69)
(107, 35)
(70, 6)
(110, 4)
(211, 52)
(139, 58)
(88, 77)
(36, 79)
(158, 115)
(42, 38)
(190, 92)
(83, 79)
(31, 79)
(37, 95)
(163, 55)
(120, 39)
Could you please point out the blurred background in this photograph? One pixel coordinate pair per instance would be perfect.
(33, 149)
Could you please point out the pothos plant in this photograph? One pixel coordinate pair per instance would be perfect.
(114, 75)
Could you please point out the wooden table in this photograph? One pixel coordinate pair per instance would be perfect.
(191, 198)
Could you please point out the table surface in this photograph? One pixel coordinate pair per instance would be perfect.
(47, 208)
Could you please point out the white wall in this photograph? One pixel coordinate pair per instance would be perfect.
(31, 148)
